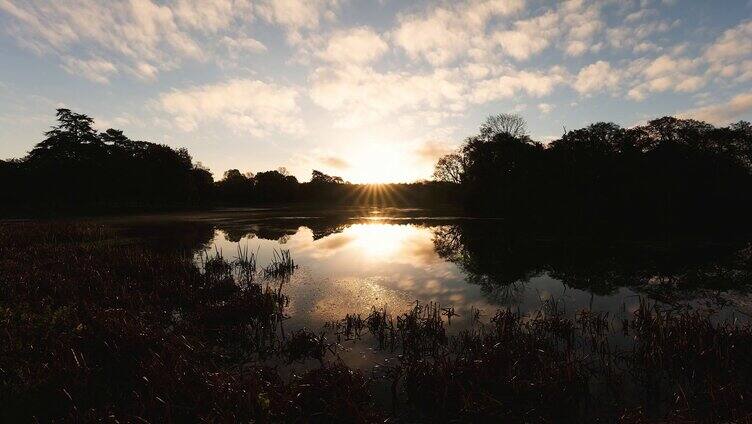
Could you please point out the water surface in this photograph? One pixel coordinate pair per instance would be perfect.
(350, 261)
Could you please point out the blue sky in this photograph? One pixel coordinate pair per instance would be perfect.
(370, 90)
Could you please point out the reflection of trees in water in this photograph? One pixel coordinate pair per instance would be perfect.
(487, 258)
(280, 229)
(171, 236)
(502, 260)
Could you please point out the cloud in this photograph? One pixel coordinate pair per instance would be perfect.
(582, 23)
(210, 16)
(297, 15)
(738, 107)
(665, 65)
(146, 37)
(478, 29)
(734, 43)
(529, 36)
(97, 70)
(545, 108)
(354, 46)
(251, 106)
(633, 36)
(730, 55)
(335, 162)
(243, 44)
(431, 150)
(664, 73)
(596, 77)
(134, 32)
(362, 95)
(145, 71)
(442, 34)
(510, 83)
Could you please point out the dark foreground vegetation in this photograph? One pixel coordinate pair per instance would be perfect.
(95, 328)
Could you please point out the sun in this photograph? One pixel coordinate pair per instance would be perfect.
(380, 163)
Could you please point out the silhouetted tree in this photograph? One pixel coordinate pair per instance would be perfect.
(670, 175)
(318, 177)
(235, 188)
(449, 168)
(503, 123)
(76, 167)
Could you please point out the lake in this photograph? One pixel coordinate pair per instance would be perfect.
(352, 260)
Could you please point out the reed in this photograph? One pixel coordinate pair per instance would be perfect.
(97, 329)
(281, 265)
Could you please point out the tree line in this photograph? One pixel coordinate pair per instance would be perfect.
(669, 175)
(78, 168)
(673, 175)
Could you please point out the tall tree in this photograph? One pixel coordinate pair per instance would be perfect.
(503, 123)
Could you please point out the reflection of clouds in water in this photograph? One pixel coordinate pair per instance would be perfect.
(392, 265)
(357, 295)
(334, 242)
(363, 266)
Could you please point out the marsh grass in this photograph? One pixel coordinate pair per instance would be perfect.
(94, 329)
(281, 265)
(656, 365)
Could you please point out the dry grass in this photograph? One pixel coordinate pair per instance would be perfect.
(94, 329)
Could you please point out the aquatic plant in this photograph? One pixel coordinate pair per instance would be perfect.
(281, 265)
(96, 328)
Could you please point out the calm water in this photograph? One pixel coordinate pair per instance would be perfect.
(353, 260)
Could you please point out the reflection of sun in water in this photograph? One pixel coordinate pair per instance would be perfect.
(379, 241)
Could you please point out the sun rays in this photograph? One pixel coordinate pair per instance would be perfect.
(378, 195)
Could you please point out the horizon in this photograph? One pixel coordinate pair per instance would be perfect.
(374, 93)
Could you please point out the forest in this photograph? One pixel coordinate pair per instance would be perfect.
(77, 169)
(669, 175)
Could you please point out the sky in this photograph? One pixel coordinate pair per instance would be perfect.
(373, 91)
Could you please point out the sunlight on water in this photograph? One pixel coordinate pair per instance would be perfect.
(377, 264)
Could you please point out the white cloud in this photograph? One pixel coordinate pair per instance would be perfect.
(97, 70)
(545, 108)
(733, 44)
(529, 36)
(443, 34)
(476, 70)
(640, 14)
(596, 77)
(582, 24)
(243, 44)
(137, 31)
(730, 54)
(509, 84)
(211, 16)
(437, 37)
(738, 107)
(354, 46)
(634, 36)
(146, 37)
(251, 106)
(691, 84)
(665, 73)
(361, 95)
(667, 65)
(430, 150)
(297, 15)
(145, 71)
